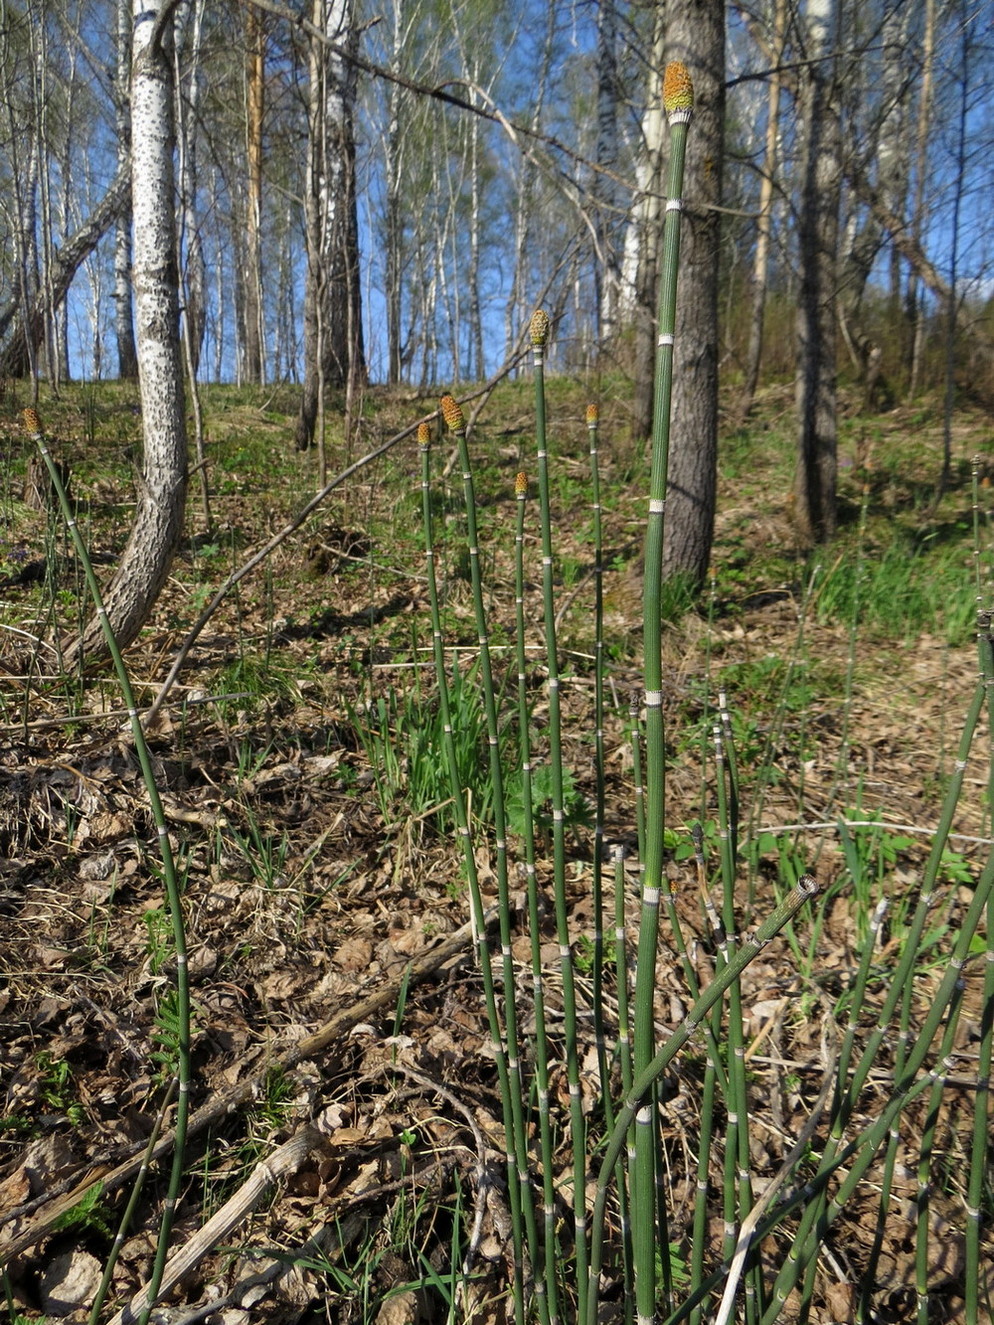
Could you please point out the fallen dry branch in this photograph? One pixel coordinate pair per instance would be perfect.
(286, 1159)
(26, 1226)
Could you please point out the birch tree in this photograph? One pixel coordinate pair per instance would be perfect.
(333, 339)
(817, 237)
(695, 34)
(642, 237)
(158, 524)
(255, 106)
(764, 224)
(124, 310)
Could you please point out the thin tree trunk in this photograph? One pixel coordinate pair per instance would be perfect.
(949, 366)
(607, 272)
(124, 319)
(47, 304)
(642, 241)
(477, 371)
(19, 350)
(764, 224)
(818, 233)
(158, 524)
(255, 100)
(915, 304)
(695, 34)
(333, 330)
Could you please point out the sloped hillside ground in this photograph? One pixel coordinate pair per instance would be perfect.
(340, 1029)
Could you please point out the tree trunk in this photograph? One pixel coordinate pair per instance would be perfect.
(333, 342)
(194, 270)
(695, 34)
(915, 305)
(124, 316)
(640, 273)
(162, 492)
(255, 100)
(764, 224)
(607, 273)
(17, 354)
(818, 232)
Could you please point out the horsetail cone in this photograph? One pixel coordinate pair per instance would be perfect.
(424, 434)
(593, 414)
(452, 414)
(32, 420)
(520, 483)
(539, 328)
(678, 93)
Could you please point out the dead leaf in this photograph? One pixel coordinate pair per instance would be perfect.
(69, 1281)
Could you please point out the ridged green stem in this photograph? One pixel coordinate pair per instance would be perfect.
(521, 1199)
(819, 1214)
(979, 1172)
(738, 1100)
(624, 1060)
(476, 900)
(979, 1166)
(132, 1205)
(643, 1178)
(544, 1258)
(599, 765)
(805, 889)
(169, 875)
(578, 1127)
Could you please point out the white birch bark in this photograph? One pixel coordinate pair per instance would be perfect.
(124, 317)
(158, 524)
(764, 224)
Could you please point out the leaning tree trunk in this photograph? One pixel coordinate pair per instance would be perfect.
(695, 34)
(158, 525)
(27, 331)
(818, 232)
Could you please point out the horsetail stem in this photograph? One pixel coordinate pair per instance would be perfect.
(174, 901)
(453, 416)
(544, 1255)
(539, 331)
(678, 104)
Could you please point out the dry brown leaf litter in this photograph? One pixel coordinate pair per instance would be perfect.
(346, 906)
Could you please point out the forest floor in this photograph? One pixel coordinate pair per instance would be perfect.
(334, 977)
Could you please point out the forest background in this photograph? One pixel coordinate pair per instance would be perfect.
(344, 210)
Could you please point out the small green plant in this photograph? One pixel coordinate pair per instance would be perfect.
(576, 811)
(158, 947)
(264, 850)
(58, 1089)
(402, 735)
(88, 1214)
(167, 1035)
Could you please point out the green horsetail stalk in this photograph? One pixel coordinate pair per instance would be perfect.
(509, 1056)
(32, 421)
(678, 101)
(539, 330)
(646, 1079)
(544, 1258)
(593, 420)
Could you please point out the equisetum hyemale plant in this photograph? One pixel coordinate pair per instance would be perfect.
(179, 1019)
(596, 1210)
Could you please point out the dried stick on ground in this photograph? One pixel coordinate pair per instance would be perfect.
(268, 548)
(287, 1158)
(24, 1227)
